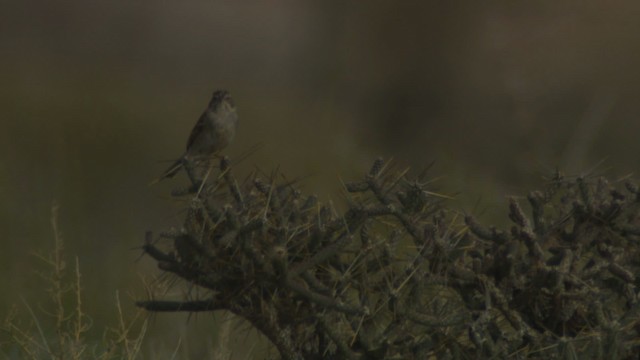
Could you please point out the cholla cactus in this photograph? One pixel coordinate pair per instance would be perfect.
(398, 276)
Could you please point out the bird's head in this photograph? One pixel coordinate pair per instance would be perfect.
(221, 98)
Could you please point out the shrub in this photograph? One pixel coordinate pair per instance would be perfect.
(399, 275)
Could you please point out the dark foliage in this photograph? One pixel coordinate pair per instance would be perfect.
(400, 276)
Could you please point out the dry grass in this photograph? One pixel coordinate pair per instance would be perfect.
(58, 330)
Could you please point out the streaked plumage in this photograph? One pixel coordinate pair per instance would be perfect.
(213, 132)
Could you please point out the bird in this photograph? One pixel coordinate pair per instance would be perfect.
(214, 131)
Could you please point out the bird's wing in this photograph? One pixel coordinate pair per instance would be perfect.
(196, 131)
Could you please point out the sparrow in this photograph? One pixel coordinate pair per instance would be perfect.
(213, 132)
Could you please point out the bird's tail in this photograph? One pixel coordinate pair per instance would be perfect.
(170, 172)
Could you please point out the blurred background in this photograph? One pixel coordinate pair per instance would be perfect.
(97, 96)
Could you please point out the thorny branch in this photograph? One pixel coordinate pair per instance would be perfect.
(397, 276)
